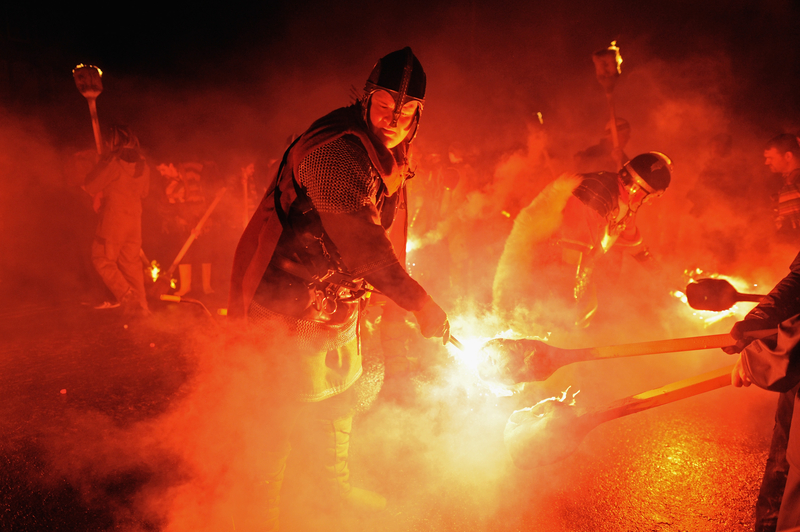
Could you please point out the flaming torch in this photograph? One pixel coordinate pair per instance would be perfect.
(551, 430)
(716, 295)
(510, 361)
(607, 65)
(89, 80)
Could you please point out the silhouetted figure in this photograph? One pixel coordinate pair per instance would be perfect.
(774, 368)
(121, 179)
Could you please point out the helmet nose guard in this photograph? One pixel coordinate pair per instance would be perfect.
(401, 75)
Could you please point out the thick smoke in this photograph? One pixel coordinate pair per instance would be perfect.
(484, 152)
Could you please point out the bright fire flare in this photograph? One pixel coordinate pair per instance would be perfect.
(618, 57)
(709, 317)
(558, 399)
(154, 270)
(472, 356)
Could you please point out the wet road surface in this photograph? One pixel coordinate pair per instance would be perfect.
(66, 462)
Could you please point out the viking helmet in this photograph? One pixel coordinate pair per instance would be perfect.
(401, 75)
(649, 171)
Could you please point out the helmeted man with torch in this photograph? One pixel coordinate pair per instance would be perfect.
(557, 241)
(122, 177)
(316, 246)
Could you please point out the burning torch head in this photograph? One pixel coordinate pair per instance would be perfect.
(400, 74)
(512, 361)
(646, 177)
(89, 80)
(608, 66)
(543, 434)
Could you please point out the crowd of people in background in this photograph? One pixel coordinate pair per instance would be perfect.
(460, 212)
(464, 224)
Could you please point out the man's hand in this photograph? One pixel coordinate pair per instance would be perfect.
(739, 333)
(433, 321)
(738, 376)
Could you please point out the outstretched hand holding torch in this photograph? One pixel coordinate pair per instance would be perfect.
(89, 80)
(607, 64)
(508, 361)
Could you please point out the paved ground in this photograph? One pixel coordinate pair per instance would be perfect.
(105, 455)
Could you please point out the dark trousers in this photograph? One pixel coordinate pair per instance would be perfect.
(777, 469)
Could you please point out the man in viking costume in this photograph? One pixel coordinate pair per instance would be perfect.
(557, 241)
(316, 246)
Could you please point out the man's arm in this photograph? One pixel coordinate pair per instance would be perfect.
(772, 363)
(340, 184)
(781, 303)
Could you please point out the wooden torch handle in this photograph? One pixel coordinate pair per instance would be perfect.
(692, 343)
(614, 132)
(98, 138)
(675, 391)
(195, 232)
(749, 297)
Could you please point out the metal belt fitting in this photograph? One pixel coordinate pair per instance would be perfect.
(329, 288)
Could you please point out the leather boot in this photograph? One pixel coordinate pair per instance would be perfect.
(334, 437)
(206, 273)
(185, 271)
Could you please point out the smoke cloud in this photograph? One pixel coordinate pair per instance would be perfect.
(512, 99)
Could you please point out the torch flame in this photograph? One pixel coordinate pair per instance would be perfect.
(554, 398)
(154, 270)
(473, 356)
(614, 48)
(412, 243)
(709, 317)
(88, 66)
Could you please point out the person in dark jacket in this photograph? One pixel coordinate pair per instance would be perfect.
(760, 365)
(315, 247)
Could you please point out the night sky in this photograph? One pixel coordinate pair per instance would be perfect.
(241, 49)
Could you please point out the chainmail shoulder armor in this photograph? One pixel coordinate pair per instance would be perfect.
(599, 191)
(339, 177)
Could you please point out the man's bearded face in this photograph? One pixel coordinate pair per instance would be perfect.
(381, 110)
